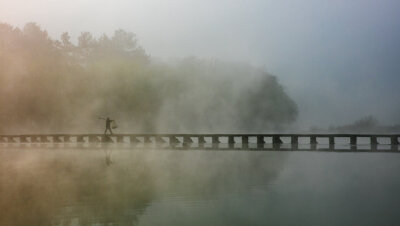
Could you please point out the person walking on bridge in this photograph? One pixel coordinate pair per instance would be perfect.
(108, 125)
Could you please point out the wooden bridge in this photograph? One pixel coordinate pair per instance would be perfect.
(259, 141)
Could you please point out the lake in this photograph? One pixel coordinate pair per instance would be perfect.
(122, 186)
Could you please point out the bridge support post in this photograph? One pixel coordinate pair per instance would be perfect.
(133, 139)
(374, 140)
(3, 139)
(18, 138)
(11, 139)
(394, 143)
(331, 142)
(353, 140)
(173, 140)
(35, 139)
(353, 143)
(394, 140)
(245, 142)
(67, 139)
(106, 139)
(79, 139)
(374, 143)
(245, 139)
(56, 139)
(313, 140)
(22, 139)
(214, 140)
(260, 139)
(147, 139)
(187, 139)
(120, 138)
(294, 140)
(231, 141)
(45, 139)
(159, 139)
(201, 140)
(92, 139)
(276, 139)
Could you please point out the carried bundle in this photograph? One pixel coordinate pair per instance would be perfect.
(114, 124)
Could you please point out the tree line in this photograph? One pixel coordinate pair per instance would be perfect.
(58, 85)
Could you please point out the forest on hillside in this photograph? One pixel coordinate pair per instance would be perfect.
(50, 85)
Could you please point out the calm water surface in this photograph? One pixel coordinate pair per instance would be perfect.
(71, 186)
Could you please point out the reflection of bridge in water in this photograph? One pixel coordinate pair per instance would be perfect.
(332, 142)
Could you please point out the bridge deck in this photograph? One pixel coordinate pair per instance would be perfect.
(276, 140)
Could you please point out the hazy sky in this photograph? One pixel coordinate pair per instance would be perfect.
(339, 59)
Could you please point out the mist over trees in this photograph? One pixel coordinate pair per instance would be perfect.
(60, 85)
(366, 124)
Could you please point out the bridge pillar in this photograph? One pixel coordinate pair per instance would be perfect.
(159, 139)
(173, 140)
(374, 140)
(23, 139)
(187, 139)
(294, 139)
(231, 139)
(394, 140)
(147, 139)
(214, 140)
(79, 139)
(313, 140)
(201, 140)
(11, 139)
(353, 140)
(394, 143)
(260, 139)
(106, 139)
(133, 139)
(57, 139)
(67, 139)
(353, 143)
(276, 139)
(35, 139)
(120, 138)
(45, 139)
(374, 143)
(93, 139)
(245, 139)
(331, 142)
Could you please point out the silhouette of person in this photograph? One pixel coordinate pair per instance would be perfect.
(108, 126)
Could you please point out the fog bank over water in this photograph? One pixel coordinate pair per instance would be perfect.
(338, 60)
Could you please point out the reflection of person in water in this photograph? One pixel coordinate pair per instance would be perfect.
(108, 125)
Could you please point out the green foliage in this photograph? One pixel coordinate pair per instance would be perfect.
(55, 86)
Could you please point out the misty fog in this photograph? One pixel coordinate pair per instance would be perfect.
(199, 67)
(52, 85)
(338, 60)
